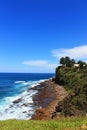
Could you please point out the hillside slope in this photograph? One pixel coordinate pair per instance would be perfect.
(75, 82)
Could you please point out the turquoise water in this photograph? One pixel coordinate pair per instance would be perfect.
(15, 86)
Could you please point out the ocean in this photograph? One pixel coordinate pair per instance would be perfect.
(16, 96)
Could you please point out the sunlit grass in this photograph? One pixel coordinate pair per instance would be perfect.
(60, 124)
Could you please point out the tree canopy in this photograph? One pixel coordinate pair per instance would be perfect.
(66, 61)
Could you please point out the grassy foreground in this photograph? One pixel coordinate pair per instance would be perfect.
(60, 124)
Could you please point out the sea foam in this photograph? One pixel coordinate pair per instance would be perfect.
(20, 106)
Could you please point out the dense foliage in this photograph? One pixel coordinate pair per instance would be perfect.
(75, 81)
(66, 61)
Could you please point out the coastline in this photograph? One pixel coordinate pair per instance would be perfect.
(37, 103)
(46, 99)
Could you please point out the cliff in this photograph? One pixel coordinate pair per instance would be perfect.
(75, 82)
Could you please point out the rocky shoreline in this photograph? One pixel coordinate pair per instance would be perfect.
(38, 102)
(47, 98)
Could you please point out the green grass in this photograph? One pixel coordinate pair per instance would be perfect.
(60, 124)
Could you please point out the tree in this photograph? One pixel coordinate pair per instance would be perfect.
(72, 62)
(81, 64)
(67, 61)
(62, 61)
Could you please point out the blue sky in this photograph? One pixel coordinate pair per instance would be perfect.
(34, 34)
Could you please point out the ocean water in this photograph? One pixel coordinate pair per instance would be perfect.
(16, 96)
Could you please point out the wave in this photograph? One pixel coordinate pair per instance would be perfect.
(17, 82)
(19, 106)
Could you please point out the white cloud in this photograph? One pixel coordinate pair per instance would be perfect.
(40, 63)
(35, 63)
(79, 52)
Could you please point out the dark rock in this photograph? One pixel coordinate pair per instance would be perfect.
(38, 87)
(59, 108)
(18, 100)
(25, 104)
(24, 112)
(53, 115)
